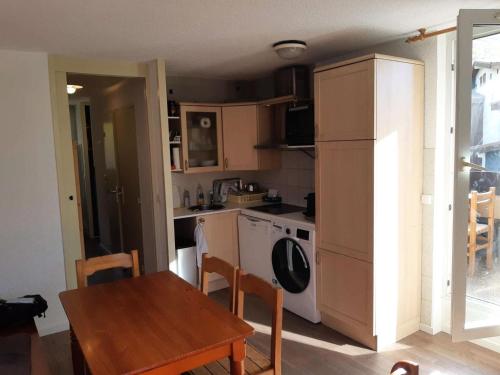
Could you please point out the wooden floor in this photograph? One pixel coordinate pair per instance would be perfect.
(315, 349)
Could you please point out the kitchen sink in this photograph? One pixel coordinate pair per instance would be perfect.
(207, 207)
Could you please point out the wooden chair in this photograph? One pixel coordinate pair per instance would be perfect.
(256, 363)
(481, 235)
(405, 368)
(85, 268)
(273, 297)
(223, 268)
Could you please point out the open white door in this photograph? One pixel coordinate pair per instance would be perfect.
(476, 274)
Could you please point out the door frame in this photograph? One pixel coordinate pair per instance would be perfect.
(466, 21)
(156, 96)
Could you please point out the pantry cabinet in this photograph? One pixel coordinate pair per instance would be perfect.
(369, 140)
(221, 232)
(345, 293)
(345, 187)
(344, 102)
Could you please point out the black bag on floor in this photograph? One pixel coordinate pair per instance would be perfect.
(21, 310)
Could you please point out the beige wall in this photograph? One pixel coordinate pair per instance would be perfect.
(31, 253)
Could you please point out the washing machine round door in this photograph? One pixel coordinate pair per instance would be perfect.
(290, 265)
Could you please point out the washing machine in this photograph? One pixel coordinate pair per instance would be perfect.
(294, 267)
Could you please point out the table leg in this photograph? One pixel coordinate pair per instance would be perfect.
(238, 358)
(76, 354)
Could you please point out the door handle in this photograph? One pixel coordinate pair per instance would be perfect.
(226, 163)
(467, 165)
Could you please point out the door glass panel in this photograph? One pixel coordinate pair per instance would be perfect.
(290, 265)
(202, 139)
(483, 267)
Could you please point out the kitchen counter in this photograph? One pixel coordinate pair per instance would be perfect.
(296, 217)
(183, 212)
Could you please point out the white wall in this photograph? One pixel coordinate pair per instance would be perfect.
(31, 254)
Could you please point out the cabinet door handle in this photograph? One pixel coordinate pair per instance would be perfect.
(226, 163)
(201, 220)
(185, 165)
(317, 258)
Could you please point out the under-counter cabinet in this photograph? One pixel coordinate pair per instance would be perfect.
(201, 138)
(221, 233)
(369, 121)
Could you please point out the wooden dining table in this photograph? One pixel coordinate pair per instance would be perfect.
(152, 324)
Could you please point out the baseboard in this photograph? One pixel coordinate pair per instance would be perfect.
(427, 329)
(48, 330)
(358, 334)
(491, 343)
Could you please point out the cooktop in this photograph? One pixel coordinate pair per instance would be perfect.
(277, 209)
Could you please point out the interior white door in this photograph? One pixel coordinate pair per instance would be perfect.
(476, 264)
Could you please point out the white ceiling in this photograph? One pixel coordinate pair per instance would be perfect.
(215, 38)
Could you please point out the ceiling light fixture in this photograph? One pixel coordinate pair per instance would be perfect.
(290, 49)
(71, 89)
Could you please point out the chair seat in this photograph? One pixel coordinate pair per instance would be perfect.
(480, 228)
(255, 363)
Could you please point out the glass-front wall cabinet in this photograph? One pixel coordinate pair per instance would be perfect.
(201, 138)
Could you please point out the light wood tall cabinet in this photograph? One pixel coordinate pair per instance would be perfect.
(369, 140)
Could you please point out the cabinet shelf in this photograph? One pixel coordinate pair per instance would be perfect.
(173, 117)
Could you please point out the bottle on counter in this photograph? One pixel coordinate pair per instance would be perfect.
(200, 196)
(186, 198)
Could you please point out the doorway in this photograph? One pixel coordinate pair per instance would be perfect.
(476, 266)
(108, 117)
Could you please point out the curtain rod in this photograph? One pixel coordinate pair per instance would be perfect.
(424, 35)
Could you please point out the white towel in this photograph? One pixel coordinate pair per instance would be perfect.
(201, 243)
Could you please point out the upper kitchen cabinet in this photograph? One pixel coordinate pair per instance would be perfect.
(245, 126)
(239, 125)
(202, 147)
(344, 99)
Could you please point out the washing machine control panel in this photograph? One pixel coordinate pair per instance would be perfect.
(301, 234)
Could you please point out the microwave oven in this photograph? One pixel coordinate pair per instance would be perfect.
(299, 124)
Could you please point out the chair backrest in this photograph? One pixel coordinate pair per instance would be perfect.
(273, 297)
(482, 205)
(85, 268)
(405, 368)
(223, 268)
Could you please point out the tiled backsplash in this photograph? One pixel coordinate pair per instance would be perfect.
(190, 183)
(294, 180)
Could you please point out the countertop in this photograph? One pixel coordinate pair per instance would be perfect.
(182, 212)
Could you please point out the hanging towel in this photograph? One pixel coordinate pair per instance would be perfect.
(201, 243)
